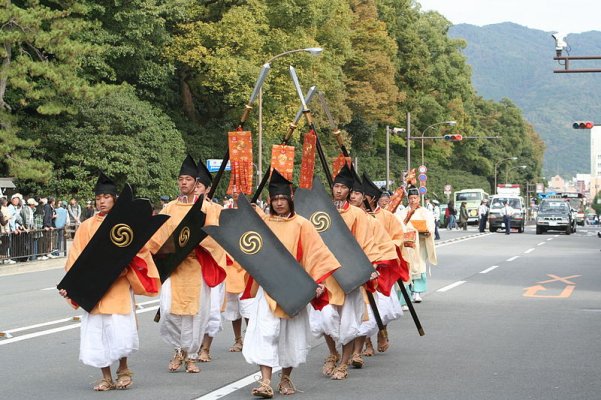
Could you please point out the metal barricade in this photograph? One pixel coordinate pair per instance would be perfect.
(33, 244)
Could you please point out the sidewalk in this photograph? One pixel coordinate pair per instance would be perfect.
(34, 266)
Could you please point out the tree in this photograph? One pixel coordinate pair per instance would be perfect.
(127, 138)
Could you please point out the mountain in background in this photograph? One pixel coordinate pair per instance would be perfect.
(515, 62)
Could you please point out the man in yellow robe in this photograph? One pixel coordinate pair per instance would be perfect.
(273, 338)
(185, 295)
(109, 332)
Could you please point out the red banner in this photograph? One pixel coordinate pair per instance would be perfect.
(308, 160)
(282, 159)
(241, 160)
(339, 163)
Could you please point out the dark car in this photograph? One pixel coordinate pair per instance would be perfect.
(556, 215)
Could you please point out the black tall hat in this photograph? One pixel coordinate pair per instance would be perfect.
(345, 176)
(412, 191)
(105, 185)
(203, 175)
(370, 187)
(279, 185)
(188, 167)
(357, 184)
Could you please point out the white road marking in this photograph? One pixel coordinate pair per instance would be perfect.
(541, 243)
(26, 328)
(451, 286)
(550, 239)
(232, 387)
(50, 288)
(487, 270)
(53, 330)
(529, 251)
(512, 258)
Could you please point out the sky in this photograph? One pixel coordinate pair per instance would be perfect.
(565, 16)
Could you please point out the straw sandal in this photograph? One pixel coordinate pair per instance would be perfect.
(340, 372)
(357, 361)
(264, 390)
(204, 355)
(238, 344)
(330, 364)
(177, 360)
(369, 348)
(124, 379)
(286, 387)
(104, 384)
(191, 366)
(383, 343)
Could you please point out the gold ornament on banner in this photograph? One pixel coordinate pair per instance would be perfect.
(321, 221)
(122, 235)
(184, 236)
(251, 242)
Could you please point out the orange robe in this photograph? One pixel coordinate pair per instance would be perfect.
(302, 241)
(395, 231)
(208, 259)
(141, 274)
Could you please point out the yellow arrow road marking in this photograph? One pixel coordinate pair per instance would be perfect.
(532, 290)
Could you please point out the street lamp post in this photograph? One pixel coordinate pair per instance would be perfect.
(315, 51)
(394, 131)
(450, 123)
(496, 165)
(509, 169)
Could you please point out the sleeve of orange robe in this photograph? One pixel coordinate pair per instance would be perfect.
(320, 264)
(362, 231)
(143, 275)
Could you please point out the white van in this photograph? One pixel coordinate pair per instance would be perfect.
(495, 219)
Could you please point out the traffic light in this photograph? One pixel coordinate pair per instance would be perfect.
(583, 125)
(453, 138)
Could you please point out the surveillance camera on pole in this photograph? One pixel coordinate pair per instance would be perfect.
(560, 42)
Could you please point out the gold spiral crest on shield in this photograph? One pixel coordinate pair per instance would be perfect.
(184, 236)
(122, 235)
(251, 242)
(321, 221)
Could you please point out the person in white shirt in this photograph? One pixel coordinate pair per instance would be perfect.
(506, 212)
(436, 212)
(483, 215)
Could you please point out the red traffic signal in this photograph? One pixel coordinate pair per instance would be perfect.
(453, 138)
(583, 125)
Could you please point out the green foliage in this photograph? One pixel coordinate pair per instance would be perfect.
(130, 87)
(128, 139)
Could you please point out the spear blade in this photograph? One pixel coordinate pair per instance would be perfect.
(299, 90)
(262, 75)
(308, 99)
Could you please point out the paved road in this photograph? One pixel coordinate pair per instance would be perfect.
(493, 331)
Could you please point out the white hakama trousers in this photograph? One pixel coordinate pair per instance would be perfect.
(341, 323)
(236, 308)
(215, 324)
(184, 332)
(273, 341)
(106, 338)
(389, 307)
(369, 327)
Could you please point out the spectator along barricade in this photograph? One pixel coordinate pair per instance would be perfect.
(31, 245)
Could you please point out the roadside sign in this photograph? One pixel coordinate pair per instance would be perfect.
(540, 188)
(383, 183)
(422, 190)
(213, 165)
(422, 169)
(422, 177)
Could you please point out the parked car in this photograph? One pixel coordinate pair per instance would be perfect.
(517, 219)
(555, 214)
